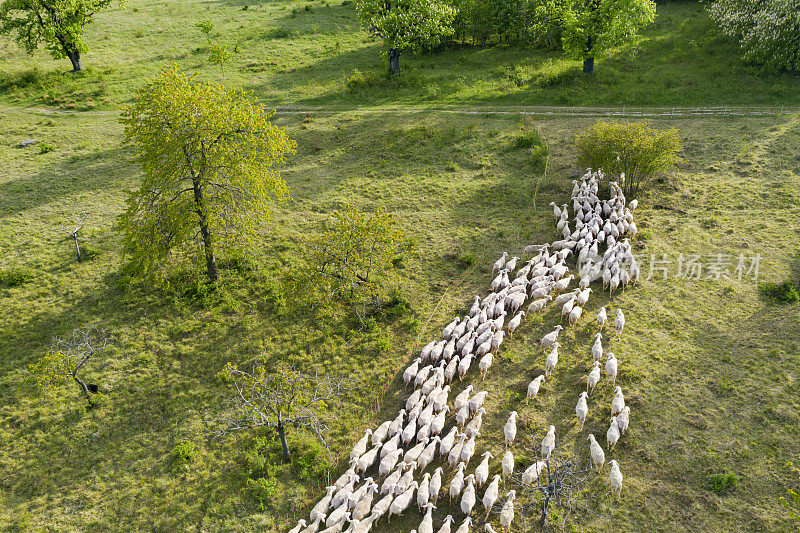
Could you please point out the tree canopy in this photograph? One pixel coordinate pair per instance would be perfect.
(406, 25)
(590, 27)
(58, 23)
(768, 30)
(208, 154)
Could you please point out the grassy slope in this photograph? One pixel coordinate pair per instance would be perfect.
(307, 58)
(709, 367)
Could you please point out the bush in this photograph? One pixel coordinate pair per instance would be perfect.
(13, 277)
(45, 148)
(526, 139)
(783, 293)
(183, 453)
(638, 150)
(465, 259)
(722, 484)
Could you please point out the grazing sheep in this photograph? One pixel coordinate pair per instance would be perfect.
(463, 365)
(413, 453)
(602, 317)
(485, 364)
(552, 360)
(468, 450)
(611, 367)
(500, 263)
(462, 415)
(426, 526)
(583, 296)
(551, 337)
(406, 479)
(507, 512)
(567, 296)
(612, 435)
(379, 435)
(388, 463)
(490, 496)
(594, 377)
(566, 309)
(597, 347)
(322, 506)
(314, 527)
(468, 498)
(582, 409)
(446, 444)
(465, 525)
(423, 492)
(507, 464)
(454, 457)
(618, 403)
(596, 452)
(474, 425)
(561, 283)
(476, 402)
(619, 322)
(360, 446)
(436, 484)
(482, 472)
(411, 372)
(462, 398)
(484, 348)
(511, 264)
(549, 442)
(401, 502)
(531, 474)
(575, 315)
(448, 520)
(457, 483)
(538, 305)
(337, 515)
(514, 323)
(533, 387)
(300, 525)
(447, 332)
(510, 429)
(362, 508)
(615, 477)
(623, 419)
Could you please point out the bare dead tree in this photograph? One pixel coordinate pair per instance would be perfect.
(68, 357)
(74, 232)
(561, 484)
(277, 398)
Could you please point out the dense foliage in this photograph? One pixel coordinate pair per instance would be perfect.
(637, 149)
(208, 154)
(769, 30)
(406, 24)
(58, 23)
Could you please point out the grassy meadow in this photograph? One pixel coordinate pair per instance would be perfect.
(710, 368)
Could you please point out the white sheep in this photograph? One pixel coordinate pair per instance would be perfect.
(597, 347)
(314, 527)
(487, 528)
(360, 446)
(510, 429)
(411, 372)
(583, 296)
(507, 464)
(390, 445)
(363, 507)
(596, 452)
(436, 484)
(426, 526)
(551, 337)
(618, 403)
(462, 415)
(594, 377)
(469, 449)
(389, 484)
(446, 444)
(465, 525)
(575, 315)
(401, 502)
(468, 498)
(338, 514)
(413, 453)
(513, 324)
(457, 483)
(463, 365)
(507, 512)
(490, 496)
(454, 457)
(537, 305)
(406, 479)
(409, 431)
(389, 462)
(623, 419)
(602, 317)
(552, 360)
(448, 520)
(612, 435)
(549, 442)
(482, 472)
(476, 402)
(582, 409)
(619, 322)
(500, 263)
(474, 425)
(611, 367)
(531, 474)
(321, 507)
(379, 435)
(423, 491)
(462, 398)
(362, 526)
(380, 508)
(300, 525)
(533, 387)
(615, 477)
(511, 264)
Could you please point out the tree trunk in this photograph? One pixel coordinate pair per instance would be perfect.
(75, 57)
(77, 247)
(211, 260)
(83, 387)
(588, 63)
(287, 455)
(394, 61)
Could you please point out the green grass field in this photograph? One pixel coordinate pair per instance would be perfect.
(710, 368)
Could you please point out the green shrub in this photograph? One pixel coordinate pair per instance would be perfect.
(184, 452)
(89, 252)
(45, 148)
(526, 139)
(263, 489)
(13, 277)
(636, 149)
(357, 80)
(722, 484)
(783, 293)
(465, 259)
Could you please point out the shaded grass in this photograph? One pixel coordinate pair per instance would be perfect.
(694, 352)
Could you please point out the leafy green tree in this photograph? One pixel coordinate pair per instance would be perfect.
(406, 25)
(592, 26)
(637, 150)
(58, 23)
(354, 253)
(208, 154)
(768, 30)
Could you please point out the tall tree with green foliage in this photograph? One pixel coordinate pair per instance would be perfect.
(592, 26)
(58, 23)
(768, 30)
(406, 25)
(208, 154)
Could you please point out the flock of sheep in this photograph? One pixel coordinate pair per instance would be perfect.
(384, 480)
